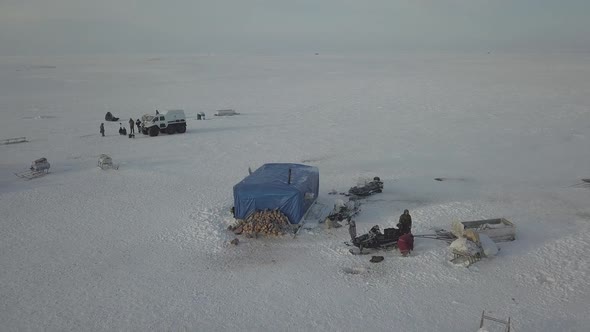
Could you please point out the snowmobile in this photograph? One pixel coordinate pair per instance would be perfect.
(375, 186)
(390, 238)
(374, 239)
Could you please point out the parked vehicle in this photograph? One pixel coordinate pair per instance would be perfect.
(169, 122)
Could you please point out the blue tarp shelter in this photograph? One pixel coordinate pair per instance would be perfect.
(291, 188)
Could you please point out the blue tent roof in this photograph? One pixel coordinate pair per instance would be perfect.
(291, 188)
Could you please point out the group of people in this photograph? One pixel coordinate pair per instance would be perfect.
(404, 225)
(123, 130)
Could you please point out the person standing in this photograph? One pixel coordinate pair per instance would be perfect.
(131, 126)
(138, 123)
(405, 223)
(352, 229)
(102, 129)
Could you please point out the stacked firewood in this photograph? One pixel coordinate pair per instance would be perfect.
(267, 222)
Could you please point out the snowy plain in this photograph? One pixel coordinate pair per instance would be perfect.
(146, 247)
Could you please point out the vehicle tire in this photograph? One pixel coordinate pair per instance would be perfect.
(170, 130)
(181, 128)
(144, 131)
(154, 131)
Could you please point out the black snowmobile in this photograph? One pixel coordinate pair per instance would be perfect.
(377, 240)
(375, 186)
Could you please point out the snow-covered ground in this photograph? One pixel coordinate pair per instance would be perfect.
(146, 247)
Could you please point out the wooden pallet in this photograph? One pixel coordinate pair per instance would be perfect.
(13, 140)
(505, 323)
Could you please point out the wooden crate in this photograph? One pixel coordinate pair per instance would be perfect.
(499, 230)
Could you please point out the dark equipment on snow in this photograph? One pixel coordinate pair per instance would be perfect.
(377, 240)
(109, 117)
(345, 211)
(375, 186)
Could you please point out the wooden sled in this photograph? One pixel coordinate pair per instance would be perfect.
(28, 175)
(13, 140)
(485, 317)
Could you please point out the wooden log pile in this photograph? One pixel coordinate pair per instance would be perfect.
(267, 222)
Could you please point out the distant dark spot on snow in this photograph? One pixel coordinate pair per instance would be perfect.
(451, 179)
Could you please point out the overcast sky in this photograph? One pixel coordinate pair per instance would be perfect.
(39, 27)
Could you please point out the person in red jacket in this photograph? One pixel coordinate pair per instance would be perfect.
(405, 244)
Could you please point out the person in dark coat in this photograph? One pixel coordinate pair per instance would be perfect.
(102, 129)
(138, 123)
(157, 112)
(122, 129)
(405, 223)
(131, 126)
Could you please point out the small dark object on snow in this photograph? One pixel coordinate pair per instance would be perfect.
(376, 259)
(235, 241)
(439, 179)
(131, 135)
(586, 180)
